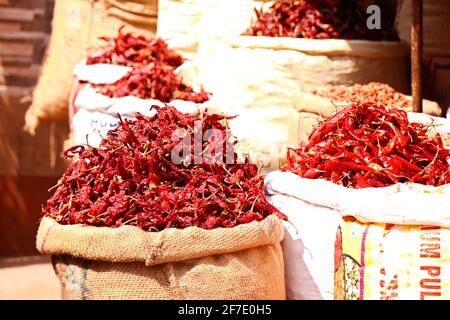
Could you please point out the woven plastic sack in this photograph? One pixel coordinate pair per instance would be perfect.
(315, 208)
(92, 115)
(382, 261)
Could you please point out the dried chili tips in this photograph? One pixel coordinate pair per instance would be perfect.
(130, 50)
(365, 145)
(317, 19)
(131, 179)
(376, 92)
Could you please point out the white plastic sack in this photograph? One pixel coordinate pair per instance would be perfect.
(94, 114)
(315, 207)
(100, 73)
(103, 73)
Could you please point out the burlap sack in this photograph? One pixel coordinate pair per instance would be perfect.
(325, 107)
(76, 26)
(256, 77)
(244, 262)
(185, 23)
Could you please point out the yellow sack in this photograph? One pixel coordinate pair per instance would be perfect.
(379, 261)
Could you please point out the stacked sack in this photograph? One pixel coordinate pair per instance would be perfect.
(127, 75)
(76, 27)
(163, 209)
(261, 68)
(367, 197)
(322, 103)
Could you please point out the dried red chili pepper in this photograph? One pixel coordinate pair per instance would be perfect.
(152, 81)
(368, 145)
(317, 19)
(152, 75)
(131, 179)
(129, 50)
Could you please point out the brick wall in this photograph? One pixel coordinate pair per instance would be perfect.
(29, 165)
(25, 26)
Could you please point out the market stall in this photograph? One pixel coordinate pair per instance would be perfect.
(282, 149)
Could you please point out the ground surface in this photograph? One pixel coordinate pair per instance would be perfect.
(31, 279)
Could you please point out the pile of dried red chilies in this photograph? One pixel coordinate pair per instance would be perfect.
(378, 93)
(152, 81)
(365, 145)
(129, 50)
(153, 65)
(317, 19)
(131, 178)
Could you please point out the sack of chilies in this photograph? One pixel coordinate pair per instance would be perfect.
(93, 114)
(156, 213)
(129, 74)
(367, 223)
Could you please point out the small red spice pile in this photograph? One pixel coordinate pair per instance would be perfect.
(129, 50)
(376, 92)
(153, 69)
(153, 81)
(317, 19)
(364, 145)
(131, 178)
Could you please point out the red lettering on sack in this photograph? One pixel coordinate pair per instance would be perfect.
(388, 291)
(430, 250)
(430, 247)
(430, 228)
(424, 294)
(431, 284)
(434, 271)
(434, 236)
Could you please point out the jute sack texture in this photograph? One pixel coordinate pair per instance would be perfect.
(244, 262)
(76, 27)
(256, 78)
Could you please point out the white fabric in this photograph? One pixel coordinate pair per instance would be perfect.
(439, 124)
(100, 73)
(90, 100)
(97, 114)
(183, 24)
